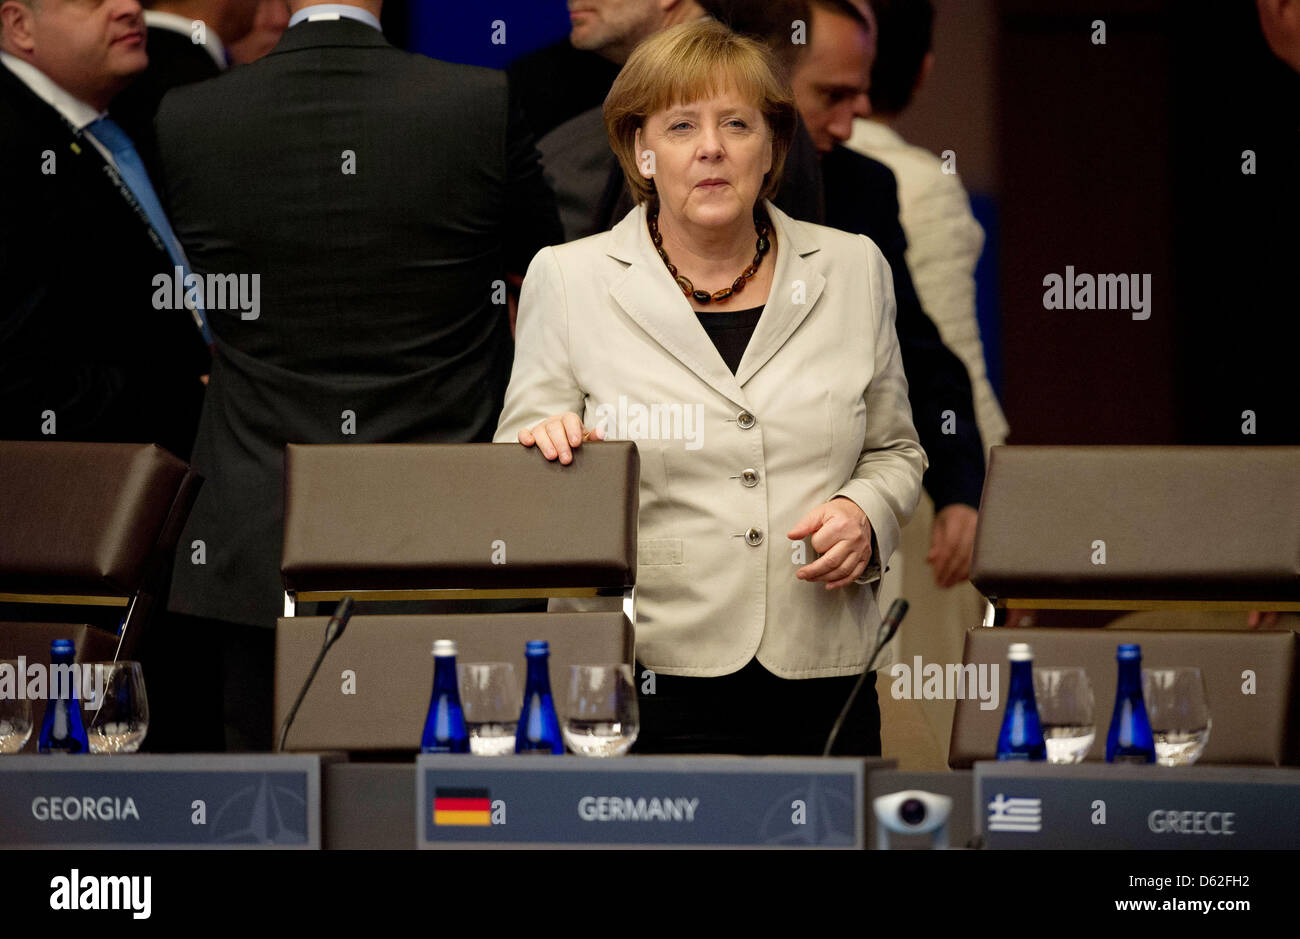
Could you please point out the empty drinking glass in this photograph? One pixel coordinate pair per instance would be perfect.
(1179, 711)
(115, 707)
(600, 717)
(491, 699)
(1065, 711)
(15, 709)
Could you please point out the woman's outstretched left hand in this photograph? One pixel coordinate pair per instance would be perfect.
(841, 535)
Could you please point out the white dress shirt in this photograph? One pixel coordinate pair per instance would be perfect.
(334, 11)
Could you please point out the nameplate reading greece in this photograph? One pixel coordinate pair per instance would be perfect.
(1113, 806)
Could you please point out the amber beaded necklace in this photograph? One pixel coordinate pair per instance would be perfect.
(761, 247)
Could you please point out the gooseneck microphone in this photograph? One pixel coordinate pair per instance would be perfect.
(333, 629)
(888, 626)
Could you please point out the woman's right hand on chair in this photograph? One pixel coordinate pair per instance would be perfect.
(557, 437)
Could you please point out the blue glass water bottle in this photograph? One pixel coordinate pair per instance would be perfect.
(444, 728)
(539, 726)
(1130, 739)
(1021, 737)
(62, 731)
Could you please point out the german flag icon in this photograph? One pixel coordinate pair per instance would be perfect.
(462, 807)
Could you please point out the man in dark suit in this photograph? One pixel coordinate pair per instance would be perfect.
(831, 80)
(381, 198)
(84, 352)
(187, 42)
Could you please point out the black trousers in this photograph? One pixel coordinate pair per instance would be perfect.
(755, 713)
(210, 685)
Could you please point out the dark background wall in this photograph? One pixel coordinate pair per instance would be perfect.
(1084, 181)
(463, 31)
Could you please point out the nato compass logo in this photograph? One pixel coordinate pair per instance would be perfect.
(816, 814)
(261, 814)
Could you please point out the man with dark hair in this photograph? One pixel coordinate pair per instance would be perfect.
(903, 56)
(943, 246)
(84, 352)
(831, 81)
(944, 239)
(832, 86)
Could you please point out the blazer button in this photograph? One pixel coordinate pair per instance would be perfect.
(745, 420)
(754, 536)
(749, 478)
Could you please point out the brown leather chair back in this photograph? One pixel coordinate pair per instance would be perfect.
(1138, 527)
(91, 525)
(88, 518)
(457, 516)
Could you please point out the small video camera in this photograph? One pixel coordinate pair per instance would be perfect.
(912, 812)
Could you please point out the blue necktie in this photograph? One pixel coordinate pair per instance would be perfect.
(131, 168)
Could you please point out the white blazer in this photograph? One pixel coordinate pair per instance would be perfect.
(817, 408)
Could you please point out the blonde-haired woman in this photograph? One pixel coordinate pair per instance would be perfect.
(768, 509)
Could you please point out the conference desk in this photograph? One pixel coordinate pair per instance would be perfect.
(228, 801)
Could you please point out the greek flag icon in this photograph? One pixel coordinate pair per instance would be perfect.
(1015, 814)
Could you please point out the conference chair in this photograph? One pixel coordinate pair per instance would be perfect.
(449, 526)
(1183, 529)
(87, 536)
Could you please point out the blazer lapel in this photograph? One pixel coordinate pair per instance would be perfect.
(796, 287)
(647, 293)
